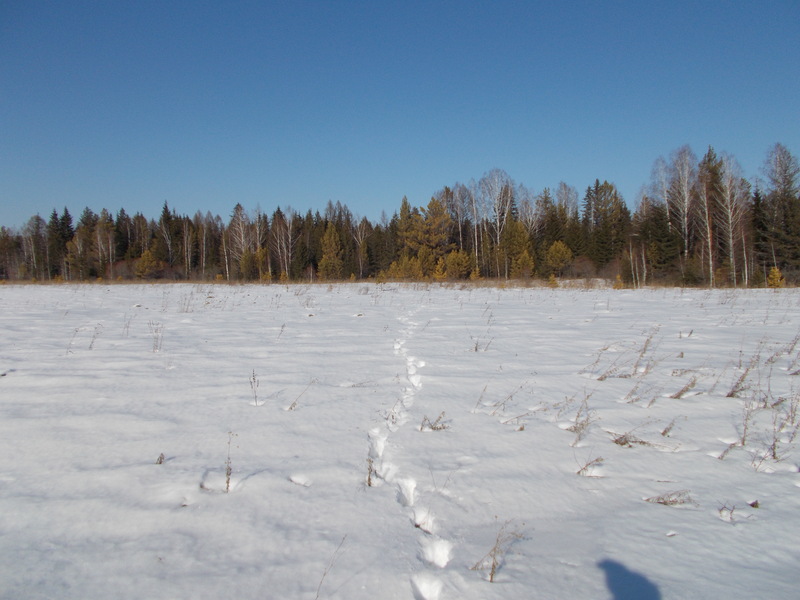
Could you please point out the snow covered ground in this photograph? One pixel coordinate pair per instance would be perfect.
(398, 441)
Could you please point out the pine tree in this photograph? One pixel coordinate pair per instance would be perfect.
(330, 266)
(558, 258)
(654, 249)
(81, 248)
(522, 266)
(458, 264)
(408, 229)
(146, 266)
(775, 278)
(436, 225)
(516, 247)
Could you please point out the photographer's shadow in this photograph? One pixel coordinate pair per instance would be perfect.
(625, 584)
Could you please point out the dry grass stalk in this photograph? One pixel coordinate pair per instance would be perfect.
(370, 471)
(583, 418)
(157, 331)
(627, 440)
(494, 558)
(676, 498)
(668, 429)
(437, 425)
(480, 398)
(741, 382)
(748, 412)
(689, 385)
(586, 469)
(254, 387)
(228, 466)
(293, 405)
(642, 352)
(334, 556)
(728, 450)
(726, 512)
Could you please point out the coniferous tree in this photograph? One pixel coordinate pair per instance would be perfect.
(10, 252)
(59, 233)
(762, 232)
(166, 241)
(782, 170)
(80, 249)
(436, 225)
(606, 222)
(654, 248)
(123, 233)
(707, 206)
(558, 258)
(331, 264)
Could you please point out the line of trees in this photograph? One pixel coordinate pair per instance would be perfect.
(698, 222)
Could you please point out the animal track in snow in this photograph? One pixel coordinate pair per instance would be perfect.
(414, 377)
(300, 479)
(377, 442)
(406, 491)
(426, 586)
(436, 551)
(424, 520)
(433, 551)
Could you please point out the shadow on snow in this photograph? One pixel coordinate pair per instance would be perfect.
(625, 584)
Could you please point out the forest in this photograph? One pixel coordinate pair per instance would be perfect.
(698, 222)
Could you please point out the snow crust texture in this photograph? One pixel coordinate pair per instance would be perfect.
(426, 442)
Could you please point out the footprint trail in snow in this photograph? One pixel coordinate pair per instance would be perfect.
(433, 551)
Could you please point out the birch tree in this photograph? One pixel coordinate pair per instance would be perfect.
(660, 184)
(283, 237)
(682, 179)
(239, 235)
(34, 245)
(732, 210)
(361, 231)
(497, 194)
(105, 247)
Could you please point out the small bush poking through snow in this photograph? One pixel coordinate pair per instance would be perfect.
(494, 558)
(586, 469)
(437, 425)
(676, 498)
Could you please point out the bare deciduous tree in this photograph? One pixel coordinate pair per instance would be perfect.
(682, 179)
(732, 208)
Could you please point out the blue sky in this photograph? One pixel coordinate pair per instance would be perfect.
(206, 104)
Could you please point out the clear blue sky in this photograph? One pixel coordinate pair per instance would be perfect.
(111, 104)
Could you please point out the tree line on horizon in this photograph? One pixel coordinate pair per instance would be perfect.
(698, 222)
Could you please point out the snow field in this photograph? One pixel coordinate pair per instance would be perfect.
(382, 436)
